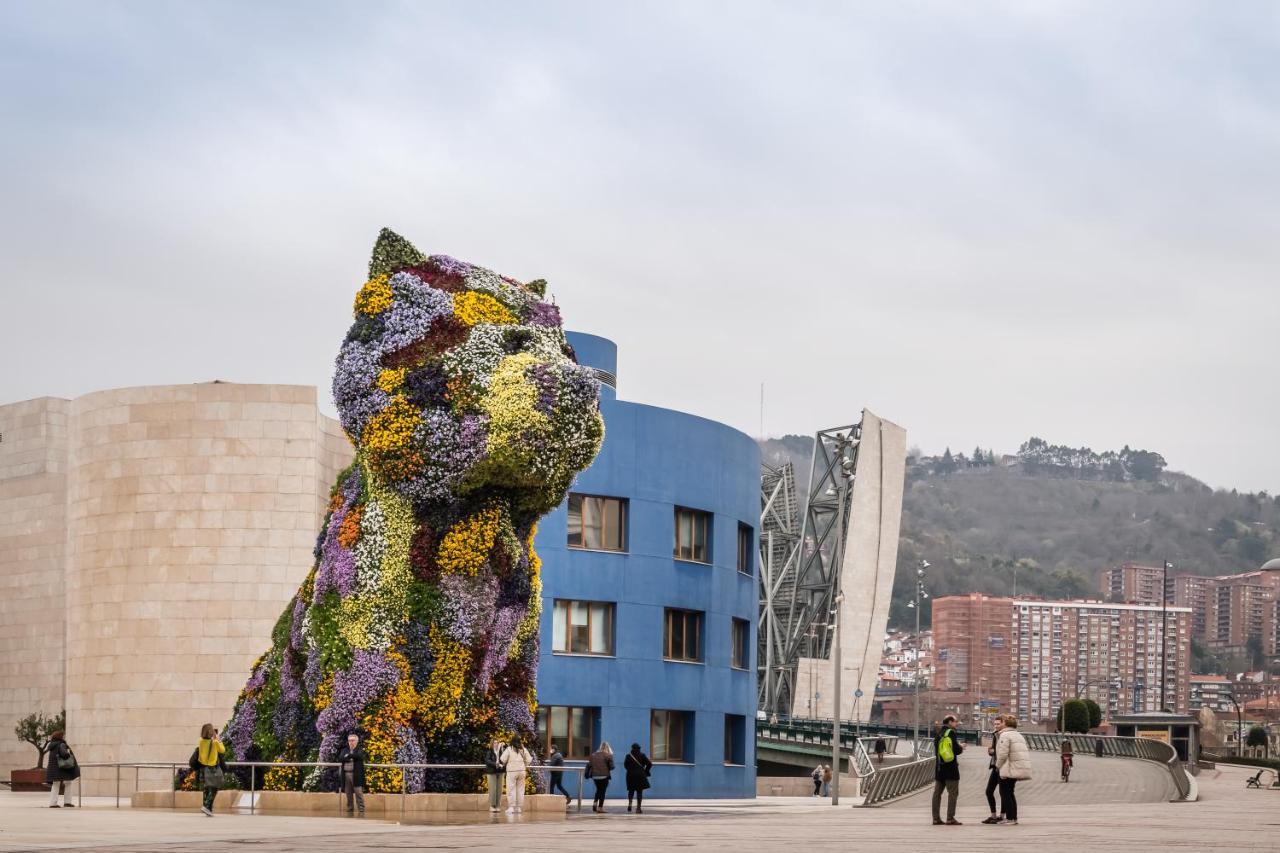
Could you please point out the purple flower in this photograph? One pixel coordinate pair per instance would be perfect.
(409, 751)
(409, 318)
(239, 731)
(295, 625)
(452, 448)
(450, 266)
(467, 606)
(514, 715)
(543, 314)
(369, 676)
(354, 385)
(498, 644)
(312, 675)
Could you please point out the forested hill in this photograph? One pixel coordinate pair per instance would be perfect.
(1056, 518)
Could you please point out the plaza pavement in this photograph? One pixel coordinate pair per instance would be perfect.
(1227, 818)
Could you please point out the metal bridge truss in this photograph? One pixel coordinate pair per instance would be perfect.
(800, 560)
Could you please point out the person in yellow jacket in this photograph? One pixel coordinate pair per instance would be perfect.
(209, 763)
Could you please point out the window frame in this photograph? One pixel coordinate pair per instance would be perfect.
(698, 518)
(746, 552)
(569, 626)
(624, 521)
(673, 716)
(736, 625)
(735, 740)
(566, 743)
(698, 618)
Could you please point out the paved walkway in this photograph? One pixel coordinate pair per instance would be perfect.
(1228, 818)
(1093, 780)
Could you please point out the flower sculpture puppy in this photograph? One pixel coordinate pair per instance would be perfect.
(418, 624)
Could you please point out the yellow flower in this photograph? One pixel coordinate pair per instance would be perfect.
(438, 704)
(388, 439)
(324, 693)
(375, 297)
(391, 379)
(282, 779)
(467, 544)
(471, 307)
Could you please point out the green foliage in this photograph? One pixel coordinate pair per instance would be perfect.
(1095, 713)
(392, 252)
(1073, 716)
(1257, 737)
(335, 653)
(36, 729)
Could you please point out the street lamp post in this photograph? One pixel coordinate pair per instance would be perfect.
(835, 722)
(915, 604)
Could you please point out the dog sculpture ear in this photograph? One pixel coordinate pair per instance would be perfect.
(392, 252)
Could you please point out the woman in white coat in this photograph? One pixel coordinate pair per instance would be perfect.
(1013, 763)
(516, 759)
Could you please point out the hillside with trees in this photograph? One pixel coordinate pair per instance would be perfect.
(1048, 520)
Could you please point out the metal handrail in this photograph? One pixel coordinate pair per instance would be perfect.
(819, 737)
(174, 766)
(1146, 749)
(898, 780)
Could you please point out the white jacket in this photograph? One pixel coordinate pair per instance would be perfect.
(516, 760)
(1013, 757)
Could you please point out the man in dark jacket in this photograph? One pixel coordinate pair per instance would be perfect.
(946, 770)
(555, 759)
(63, 769)
(351, 757)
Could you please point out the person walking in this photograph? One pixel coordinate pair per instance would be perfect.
(210, 766)
(826, 780)
(638, 766)
(880, 749)
(816, 776)
(946, 771)
(1013, 761)
(556, 759)
(993, 775)
(493, 773)
(63, 770)
(351, 757)
(600, 766)
(516, 759)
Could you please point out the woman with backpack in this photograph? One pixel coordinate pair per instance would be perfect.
(638, 767)
(210, 764)
(63, 769)
(1013, 761)
(516, 760)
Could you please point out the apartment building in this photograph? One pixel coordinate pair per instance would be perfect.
(1135, 584)
(972, 636)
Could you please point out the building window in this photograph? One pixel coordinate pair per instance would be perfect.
(582, 627)
(682, 635)
(693, 535)
(745, 551)
(735, 739)
(571, 729)
(597, 524)
(670, 735)
(741, 631)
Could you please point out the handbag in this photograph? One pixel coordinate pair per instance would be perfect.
(213, 777)
(67, 761)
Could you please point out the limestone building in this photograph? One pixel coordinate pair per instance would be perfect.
(149, 538)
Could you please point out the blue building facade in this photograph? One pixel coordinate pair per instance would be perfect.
(649, 597)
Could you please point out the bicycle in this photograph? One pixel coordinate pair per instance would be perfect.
(1066, 768)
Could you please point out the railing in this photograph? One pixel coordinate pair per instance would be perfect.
(816, 736)
(898, 780)
(175, 767)
(873, 730)
(1122, 747)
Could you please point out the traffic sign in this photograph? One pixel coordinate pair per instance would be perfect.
(857, 694)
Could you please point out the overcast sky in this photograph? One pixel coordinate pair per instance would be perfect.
(983, 221)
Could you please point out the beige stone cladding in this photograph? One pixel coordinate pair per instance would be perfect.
(33, 486)
(192, 514)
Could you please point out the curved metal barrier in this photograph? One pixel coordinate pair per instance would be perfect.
(1121, 747)
(886, 783)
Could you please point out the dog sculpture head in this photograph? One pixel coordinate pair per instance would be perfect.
(454, 379)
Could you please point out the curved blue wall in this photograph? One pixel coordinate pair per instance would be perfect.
(658, 459)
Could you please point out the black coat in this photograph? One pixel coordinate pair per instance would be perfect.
(492, 763)
(356, 759)
(637, 765)
(556, 759)
(54, 773)
(946, 770)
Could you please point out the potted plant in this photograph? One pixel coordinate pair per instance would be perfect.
(35, 729)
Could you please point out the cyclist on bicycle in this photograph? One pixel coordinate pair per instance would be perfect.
(1066, 760)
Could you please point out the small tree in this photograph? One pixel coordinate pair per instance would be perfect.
(36, 729)
(1095, 713)
(1073, 716)
(1258, 737)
